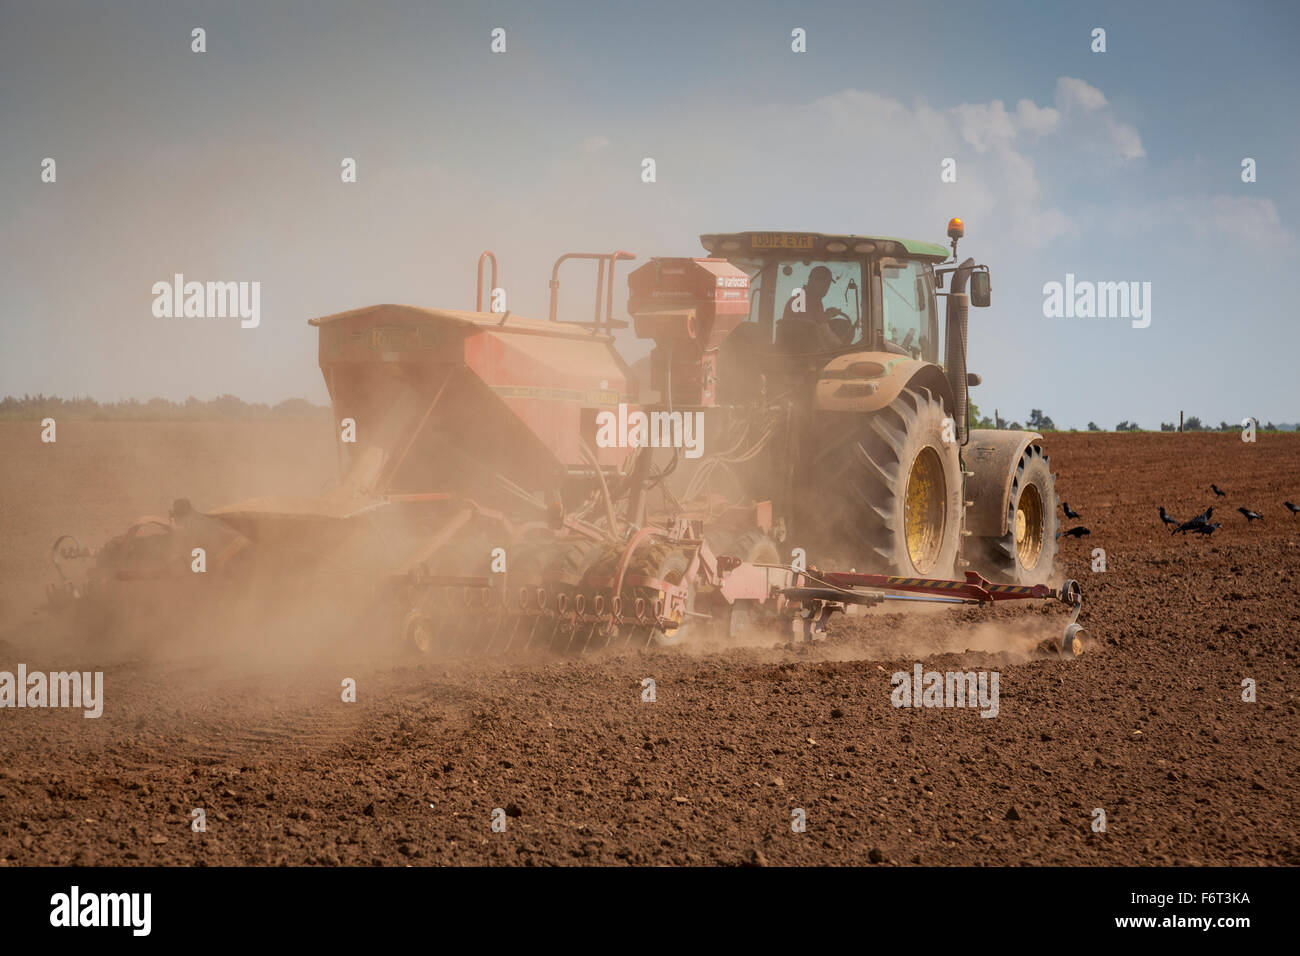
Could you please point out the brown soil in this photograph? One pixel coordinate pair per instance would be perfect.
(1149, 725)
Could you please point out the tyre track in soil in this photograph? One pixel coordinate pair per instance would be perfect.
(1148, 726)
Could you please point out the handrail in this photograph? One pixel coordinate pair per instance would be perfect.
(478, 285)
(602, 258)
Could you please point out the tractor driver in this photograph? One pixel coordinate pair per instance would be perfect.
(814, 328)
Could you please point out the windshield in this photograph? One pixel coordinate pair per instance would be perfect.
(908, 308)
(827, 290)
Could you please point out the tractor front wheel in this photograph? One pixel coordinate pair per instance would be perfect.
(1026, 554)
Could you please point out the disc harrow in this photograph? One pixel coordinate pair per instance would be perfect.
(618, 598)
(654, 589)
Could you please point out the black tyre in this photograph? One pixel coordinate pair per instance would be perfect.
(886, 493)
(1026, 554)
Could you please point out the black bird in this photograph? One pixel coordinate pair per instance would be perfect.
(1251, 515)
(1218, 491)
(1205, 529)
(1078, 531)
(1069, 512)
(1166, 517)
(1194, 523)
(1292, 508)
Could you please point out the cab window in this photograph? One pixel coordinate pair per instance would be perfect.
(908, 308)
(841, 304)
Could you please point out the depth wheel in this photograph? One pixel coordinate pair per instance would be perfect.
(418, 632)
(672, 570)
(662, 562)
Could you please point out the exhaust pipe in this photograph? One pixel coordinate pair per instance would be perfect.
(955, 346)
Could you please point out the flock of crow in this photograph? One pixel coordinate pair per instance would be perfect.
(1201, 524)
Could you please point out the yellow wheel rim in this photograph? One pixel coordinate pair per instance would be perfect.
(1029, 527)
(924, 511)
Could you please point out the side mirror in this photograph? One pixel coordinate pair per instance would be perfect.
(980, 289)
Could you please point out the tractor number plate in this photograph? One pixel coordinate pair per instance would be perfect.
(782, 240)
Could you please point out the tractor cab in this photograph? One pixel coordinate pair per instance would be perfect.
(817, 293)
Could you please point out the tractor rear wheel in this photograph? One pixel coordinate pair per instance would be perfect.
(1026, 554)
(886, 489)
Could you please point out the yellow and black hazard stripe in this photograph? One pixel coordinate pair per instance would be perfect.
(928, 583)
(1011, 589)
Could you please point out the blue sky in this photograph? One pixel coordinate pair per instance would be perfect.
(1122, 166)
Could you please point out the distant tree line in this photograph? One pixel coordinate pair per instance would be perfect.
(1039, 422)
(221, 408)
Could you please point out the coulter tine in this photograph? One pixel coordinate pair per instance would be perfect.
(515, 621)
(517, 618)
(441, 630)
(454, 633)
(498, 622)
(597, 620)
(572, 627)
(466, 634)
(532, 632)
(541, 620)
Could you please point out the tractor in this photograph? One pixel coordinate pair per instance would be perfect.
(874, 463)
(795, 442)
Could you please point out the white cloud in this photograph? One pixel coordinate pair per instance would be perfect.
(984, 125)
(997, 180)
(1193, 220)
(1085, 103)
(853, 161)
(1125, 140)
(1039, 120)
(1252, 221)
(1072, 93)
